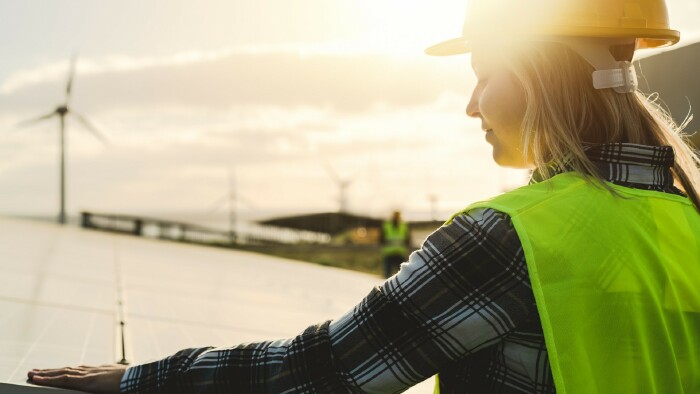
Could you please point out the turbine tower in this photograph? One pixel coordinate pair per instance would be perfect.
(62, 111)
(433, 199)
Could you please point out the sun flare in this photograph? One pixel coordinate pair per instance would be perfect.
(399, 27)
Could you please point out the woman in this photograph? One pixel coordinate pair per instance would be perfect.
(583, 281)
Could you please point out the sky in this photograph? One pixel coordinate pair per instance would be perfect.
(281, 99)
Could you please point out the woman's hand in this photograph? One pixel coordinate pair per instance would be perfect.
(103, 379)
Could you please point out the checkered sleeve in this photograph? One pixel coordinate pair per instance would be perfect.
(303, 364)
(466, 289)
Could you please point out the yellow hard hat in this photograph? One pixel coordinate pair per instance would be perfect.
(643, 20)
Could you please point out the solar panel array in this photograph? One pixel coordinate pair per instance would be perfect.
(61, 287)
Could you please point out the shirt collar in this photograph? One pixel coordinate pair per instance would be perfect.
(635, 165)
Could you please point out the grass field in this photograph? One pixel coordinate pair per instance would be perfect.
(353, 257)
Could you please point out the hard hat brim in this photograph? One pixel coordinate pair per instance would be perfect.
(455, 46)
(648, 38)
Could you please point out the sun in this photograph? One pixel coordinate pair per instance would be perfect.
(405, 26)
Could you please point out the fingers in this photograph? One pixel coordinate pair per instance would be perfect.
(102, 379)
(55, 372)
(63, 380)
(80, 370)
(60, 377)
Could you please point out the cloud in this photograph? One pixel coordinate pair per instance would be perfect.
(341, 81)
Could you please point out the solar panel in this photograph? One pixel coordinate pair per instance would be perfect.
(60, 289)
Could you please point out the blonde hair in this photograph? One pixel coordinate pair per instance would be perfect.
(565, 113)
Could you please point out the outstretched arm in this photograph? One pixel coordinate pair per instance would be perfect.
(301, 364)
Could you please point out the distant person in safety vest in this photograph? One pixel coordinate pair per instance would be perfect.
(395, 240)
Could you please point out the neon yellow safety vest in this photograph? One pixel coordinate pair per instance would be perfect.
(395, 238)
(617, 283)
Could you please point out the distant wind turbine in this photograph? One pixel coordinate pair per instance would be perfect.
(343, 185)
(232, 198)
(62, 111)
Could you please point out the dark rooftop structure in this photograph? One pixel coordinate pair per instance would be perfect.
(328, 222)
(335, 223)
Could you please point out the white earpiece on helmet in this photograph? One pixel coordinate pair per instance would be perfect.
(610, 73)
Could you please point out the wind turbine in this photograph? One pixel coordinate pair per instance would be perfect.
(232, 198)
(343, 185)
(62, 111)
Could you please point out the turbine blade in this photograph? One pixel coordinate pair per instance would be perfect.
(218, 204)
(71, 75)
(245, 201)
(28, 122)
(91, 128)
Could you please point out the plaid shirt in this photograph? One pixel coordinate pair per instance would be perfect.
(461, 306)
